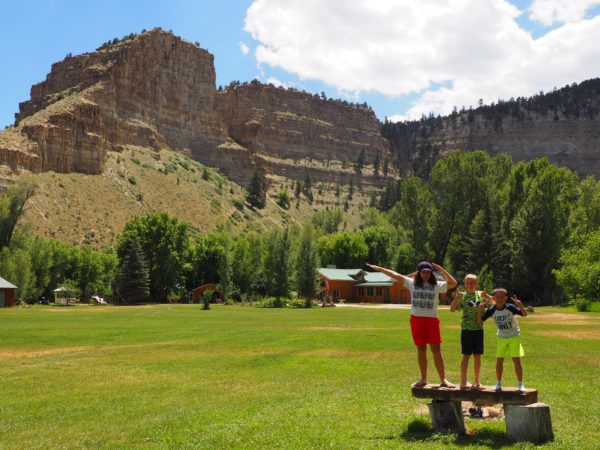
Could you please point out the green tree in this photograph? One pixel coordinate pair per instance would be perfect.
(306, 266)
(360, 160)
(283, 199)
(257, 196)
(134, 281)
(12, 202)
(379, 243)
(539, 229)
(415, 213)
(225, 271)
(277, 274)
(328, 221)
(164, 241)
(346, 249)
(203, 260)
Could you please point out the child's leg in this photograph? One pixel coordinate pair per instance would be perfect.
(499, 368)
(476, 367)
(464, 366)
(518, 369)
(438, 360)
(422, 358)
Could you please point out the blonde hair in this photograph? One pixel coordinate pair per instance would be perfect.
(470, 276)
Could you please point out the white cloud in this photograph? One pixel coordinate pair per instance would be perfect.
(278, 83)
(244, 48)
(549, 12)
(474, 48)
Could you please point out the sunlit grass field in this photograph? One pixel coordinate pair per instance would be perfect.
(174, 376)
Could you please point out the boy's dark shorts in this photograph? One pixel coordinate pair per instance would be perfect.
(471, 342)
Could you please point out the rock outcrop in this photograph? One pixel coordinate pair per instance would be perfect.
(289, 124)
(158, 91)
(154, 90)
(563, 125)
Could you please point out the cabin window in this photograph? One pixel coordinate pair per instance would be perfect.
(361, 291)
(336, 294)
(370, 291)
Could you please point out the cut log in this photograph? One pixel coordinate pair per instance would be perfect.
(446, 417)
(528, 423)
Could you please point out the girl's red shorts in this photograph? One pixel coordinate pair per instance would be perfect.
(425, 330)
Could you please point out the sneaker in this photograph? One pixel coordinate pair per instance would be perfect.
(498, 387)
(521, 388)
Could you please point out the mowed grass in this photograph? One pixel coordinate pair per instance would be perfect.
(174, 376)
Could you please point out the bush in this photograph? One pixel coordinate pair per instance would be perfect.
(206, 298)
(271, 302)
(583, 305)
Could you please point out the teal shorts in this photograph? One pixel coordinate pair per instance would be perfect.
(509, 347)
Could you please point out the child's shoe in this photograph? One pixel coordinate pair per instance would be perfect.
(520, 387)
(498, 387)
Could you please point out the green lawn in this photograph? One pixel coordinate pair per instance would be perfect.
(173, 376)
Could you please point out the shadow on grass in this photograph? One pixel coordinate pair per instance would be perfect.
(419, 430)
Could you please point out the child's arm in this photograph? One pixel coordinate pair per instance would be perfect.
(480, 309)
(487, 297)
(459, 294)
(519, 303)
(390, 273)
(449, 278)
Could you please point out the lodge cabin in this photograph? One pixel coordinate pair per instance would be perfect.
(7, 294)
(197, 292)
(360, 286)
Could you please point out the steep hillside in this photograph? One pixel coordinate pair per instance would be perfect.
(92, 209)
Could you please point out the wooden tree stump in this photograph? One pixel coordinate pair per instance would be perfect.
(447, 416)
(528, 423)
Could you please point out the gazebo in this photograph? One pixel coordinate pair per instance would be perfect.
(62, 296)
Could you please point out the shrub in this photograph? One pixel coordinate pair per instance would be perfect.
(206, 298)
(283, 199)
(239, 204)
(132, 179)
(583, 305)
(271, 302)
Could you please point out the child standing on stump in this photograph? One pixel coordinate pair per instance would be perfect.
(509, 339)
(471, 334)
(425, 291)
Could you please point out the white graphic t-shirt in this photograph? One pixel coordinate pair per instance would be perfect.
(425, 300)
(505, 318)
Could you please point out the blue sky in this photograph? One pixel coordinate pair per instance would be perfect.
(337, 47)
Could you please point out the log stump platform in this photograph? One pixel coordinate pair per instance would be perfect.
(526, 419)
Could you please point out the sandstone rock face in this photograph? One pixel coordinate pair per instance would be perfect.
(574, 143)
(289, 124)
(158, 91)
(155, 90)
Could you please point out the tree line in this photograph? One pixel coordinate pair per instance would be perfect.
(531, 227)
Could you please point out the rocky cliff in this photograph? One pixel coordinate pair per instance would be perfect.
(158, 91)
(154, 90)
(563, 125)
(289, 124)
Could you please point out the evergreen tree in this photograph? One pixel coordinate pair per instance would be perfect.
(134, 280)
(360, 160)
(306, 267)
(376, 164)
(257, 196)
